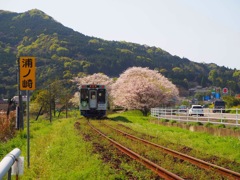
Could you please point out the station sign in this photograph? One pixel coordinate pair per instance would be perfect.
(27, 73)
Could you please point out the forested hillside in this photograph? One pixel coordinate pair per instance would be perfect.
(63, 53)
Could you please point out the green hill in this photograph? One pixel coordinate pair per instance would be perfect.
(63, 53)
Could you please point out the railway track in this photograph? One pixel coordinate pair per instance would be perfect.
(149, 164)
(156, 168)
(198, 162)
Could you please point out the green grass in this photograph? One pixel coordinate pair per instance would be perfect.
(58, 151)
(65, 154)
(224, 147)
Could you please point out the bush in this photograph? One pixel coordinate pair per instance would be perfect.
(195, 123)
(236, 128)
(233, 111)
(164, 120)
(208, 124)
(7, 126)
(172, 121)
(221, 126)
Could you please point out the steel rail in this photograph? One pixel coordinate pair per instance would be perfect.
(154, 167)
(195, 161)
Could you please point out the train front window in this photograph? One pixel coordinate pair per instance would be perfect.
(101, 96)
(93, 95)
(84, 95)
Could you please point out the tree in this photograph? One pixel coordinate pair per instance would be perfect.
(97, 78)
(212, 76)
(231, 101)
(177, 70)
(236, 75)
(55, 93)
(64, 99)
(61, 51)
(42, 100)
(75, 100)
(142, 89)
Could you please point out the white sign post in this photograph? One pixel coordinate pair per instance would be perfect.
(18, 166)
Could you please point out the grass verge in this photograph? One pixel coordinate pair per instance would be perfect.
(58, 152)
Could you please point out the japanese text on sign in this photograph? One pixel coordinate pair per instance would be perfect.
(27, 73)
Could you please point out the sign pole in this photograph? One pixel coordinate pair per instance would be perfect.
(27, 78)
(28, 130)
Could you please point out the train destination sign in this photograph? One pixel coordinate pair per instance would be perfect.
(27, 73)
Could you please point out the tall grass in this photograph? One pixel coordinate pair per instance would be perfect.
(7, 126)
(57, 151)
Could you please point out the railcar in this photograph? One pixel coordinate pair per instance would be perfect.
(93, 100)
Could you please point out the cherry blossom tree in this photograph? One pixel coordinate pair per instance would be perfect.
(75, 100)
(142, 89)
(97, 78)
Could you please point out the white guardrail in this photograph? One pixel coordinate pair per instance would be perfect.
(226, 116)
(8, 161)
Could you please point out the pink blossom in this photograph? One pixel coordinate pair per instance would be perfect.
(97, 78)
(142, 89)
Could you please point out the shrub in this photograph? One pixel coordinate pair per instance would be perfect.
(7, 126)
(164, 120)
(234, 110)
(172, 121)
(236, 128)
(196, 123)
(208, 124)
(221, 126)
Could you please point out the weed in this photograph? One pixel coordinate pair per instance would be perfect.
(208, 124)
(236, 128)
(164, 120)
(172, 121)
(195, 123)
(7, 126)
(221, 126)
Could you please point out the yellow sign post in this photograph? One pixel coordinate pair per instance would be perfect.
(27, 73)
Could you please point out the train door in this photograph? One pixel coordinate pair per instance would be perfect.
(93, 99)
(101, 96)
(84, 99)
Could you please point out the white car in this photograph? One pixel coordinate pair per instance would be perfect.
(196, 110)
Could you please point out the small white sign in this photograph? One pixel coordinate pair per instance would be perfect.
(16, 99)
(18, 166)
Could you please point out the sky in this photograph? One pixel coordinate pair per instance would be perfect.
(204, 31)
